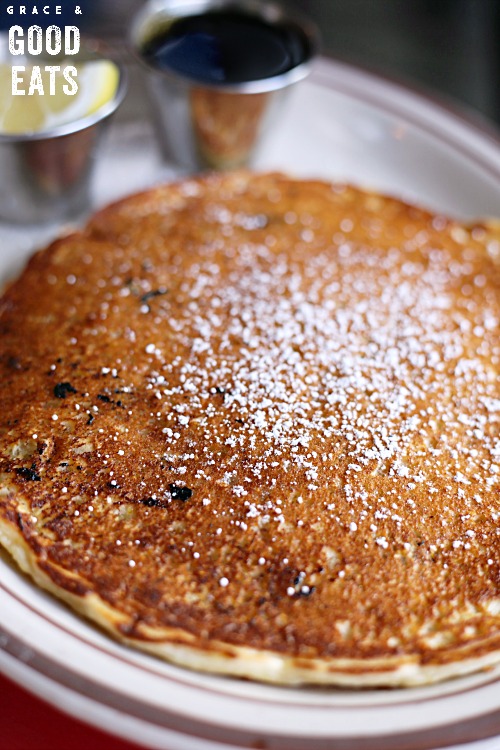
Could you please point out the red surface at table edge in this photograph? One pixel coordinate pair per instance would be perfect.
(28, 723)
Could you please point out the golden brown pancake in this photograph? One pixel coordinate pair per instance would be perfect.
(252, 425)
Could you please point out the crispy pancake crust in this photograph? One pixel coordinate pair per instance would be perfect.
(250, 424)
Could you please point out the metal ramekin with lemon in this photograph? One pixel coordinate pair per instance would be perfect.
(49, 138)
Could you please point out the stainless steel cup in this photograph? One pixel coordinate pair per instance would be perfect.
(203, 125)
(46, 176)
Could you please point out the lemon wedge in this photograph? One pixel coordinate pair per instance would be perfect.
(97, 82)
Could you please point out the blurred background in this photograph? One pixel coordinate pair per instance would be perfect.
(447, 47)
(450, 48)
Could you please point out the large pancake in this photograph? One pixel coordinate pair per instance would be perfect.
(251, 425)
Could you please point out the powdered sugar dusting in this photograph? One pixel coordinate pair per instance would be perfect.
(320, 367)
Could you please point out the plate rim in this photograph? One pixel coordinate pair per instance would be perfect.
(220, 738)
(353, 80)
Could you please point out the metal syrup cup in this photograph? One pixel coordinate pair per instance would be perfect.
(217, 126)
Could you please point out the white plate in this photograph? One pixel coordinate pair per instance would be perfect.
(341, 124)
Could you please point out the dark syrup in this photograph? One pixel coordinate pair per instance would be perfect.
(227, 47)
